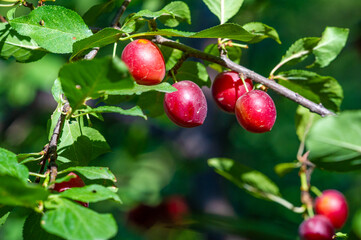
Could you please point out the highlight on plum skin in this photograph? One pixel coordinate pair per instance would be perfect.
(227, 87)
(333, 205)
(145, 62)
(256, 111)
(75, 181)
(316, 228)
(186, 107)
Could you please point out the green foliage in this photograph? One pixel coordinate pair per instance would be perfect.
(44, 27)
(224, 9)
(92, 172)
(22, 48)
(334, 142)
(254, 182)
(9, 166)
(304, 121)
(14, 192)
(171, 15)
(261, 31)
(283, 168)
(195, 72)
(80, 144)
(319, 89)
(85, 80)
(91, 193)
(71, 221)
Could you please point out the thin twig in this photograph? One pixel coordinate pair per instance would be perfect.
(226, 62)
(178, 64)
(120, 12)
(3, 19)
(28, 5)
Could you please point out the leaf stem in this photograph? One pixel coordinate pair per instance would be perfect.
(297, 55)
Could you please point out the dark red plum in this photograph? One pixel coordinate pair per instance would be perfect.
(145, 62)
(256, 111)
(227, 87)
(316, 228)
(186, 107)
(76, 181)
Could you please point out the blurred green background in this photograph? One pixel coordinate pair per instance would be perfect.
(155, 159)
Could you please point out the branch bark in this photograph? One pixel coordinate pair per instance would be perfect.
(226, 62)
(50, 150)
(120, 12)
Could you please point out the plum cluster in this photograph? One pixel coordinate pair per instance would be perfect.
(187, 107)
(332, 211)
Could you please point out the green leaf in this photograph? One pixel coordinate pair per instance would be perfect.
(22, 48)
(14, 192)
(95, 11)
(261, 31)
(102, 38)
(334, 142)
(134, 111)
(139, 89)
(93, 172)
(319, 89)
(9, 166)
(283, 168)
(91, 193)
(304, 121)
(171, 15)
(4, 214)
(300, 50)
(171, 56)
(57, 91)
(80, 145)
(151, 103)
(85, 80)
(224, 9)
(54, 28)
(254, 182)
(32, 229)
(73, 222)
(332, 42)
(177, 12)
(325, 48)
(194, 71)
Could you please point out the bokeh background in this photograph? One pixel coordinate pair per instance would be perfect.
(155, 160)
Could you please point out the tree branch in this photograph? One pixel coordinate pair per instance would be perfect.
(226, 62)
(50, 150)
(120, 12)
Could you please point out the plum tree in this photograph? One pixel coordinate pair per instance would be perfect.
(227, 87)
(145, 62)
(186, 107)
(256, 111)
(316, 228)
(333, 205)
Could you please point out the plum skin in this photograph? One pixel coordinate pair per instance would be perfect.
(186, 107)
(76, 181)
(256, 111)
(227, 87)
(333, 205)
(145, 62)
(316, 228)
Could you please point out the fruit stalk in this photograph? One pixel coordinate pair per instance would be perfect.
(226, 62)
